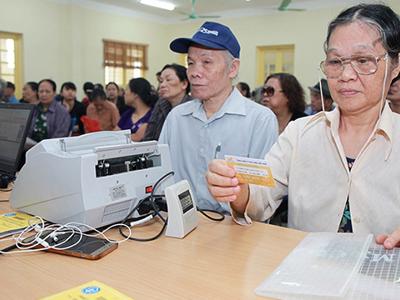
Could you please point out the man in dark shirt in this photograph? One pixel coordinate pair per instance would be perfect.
(75, 108)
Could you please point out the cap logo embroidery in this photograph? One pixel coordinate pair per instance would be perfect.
(206, 31)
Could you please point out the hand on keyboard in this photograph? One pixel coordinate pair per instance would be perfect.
(389, 241)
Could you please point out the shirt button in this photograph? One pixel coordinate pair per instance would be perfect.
(205, 126)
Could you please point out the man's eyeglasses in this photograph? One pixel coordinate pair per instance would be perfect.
(362, 64)
(269, 91)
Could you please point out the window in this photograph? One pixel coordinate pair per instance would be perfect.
(274, 59)
(11, 59)
(124, 61)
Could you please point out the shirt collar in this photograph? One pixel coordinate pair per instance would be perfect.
(384, 127)
(234, 104)
(333, 117)
(386, 122)
(52, 106)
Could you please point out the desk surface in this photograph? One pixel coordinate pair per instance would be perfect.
(215, 261)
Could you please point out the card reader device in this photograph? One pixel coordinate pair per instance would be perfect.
(182, 212)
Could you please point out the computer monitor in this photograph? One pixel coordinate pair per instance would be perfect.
(15, 120)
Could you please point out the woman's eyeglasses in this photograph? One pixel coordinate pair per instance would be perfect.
(362, 64)
(269, 91)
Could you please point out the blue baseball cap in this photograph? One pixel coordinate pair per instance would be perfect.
(210, 35)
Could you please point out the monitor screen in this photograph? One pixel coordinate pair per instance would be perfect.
(15, 120)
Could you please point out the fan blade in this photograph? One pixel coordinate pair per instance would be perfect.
(193, 15)
(193, 3)
(208, 17)
(182, 13)
(284, 4)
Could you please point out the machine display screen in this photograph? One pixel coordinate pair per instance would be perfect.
(186, 201)
(15, 121)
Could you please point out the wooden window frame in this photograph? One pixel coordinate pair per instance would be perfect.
(118, 54)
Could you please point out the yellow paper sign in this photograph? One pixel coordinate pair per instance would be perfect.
(252, 171)
(14, 222)
(92, 290)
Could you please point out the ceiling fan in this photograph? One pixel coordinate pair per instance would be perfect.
(284, 6)
(193, 15)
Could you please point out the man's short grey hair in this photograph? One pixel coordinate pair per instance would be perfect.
(229, 60)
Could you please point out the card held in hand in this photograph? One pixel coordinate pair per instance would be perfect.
(251, 170)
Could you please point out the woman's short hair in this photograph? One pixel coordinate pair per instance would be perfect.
(292, 89)
(180, 71)
(144, 90)
(245, 87)
(33, 85)
(98, 93)
(112, 83)
(68, 85)
(51, 82)
(380, 16)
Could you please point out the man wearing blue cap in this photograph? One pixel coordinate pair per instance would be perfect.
(219, 120)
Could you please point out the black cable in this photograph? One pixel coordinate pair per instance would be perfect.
(138, 218)
(144, 239)
(156, 213)
(159, 196)
(203, 212)
(134, 209)
(152, 195)
(8, 249)
(10, 186)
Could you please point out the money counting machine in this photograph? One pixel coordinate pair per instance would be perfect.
(95, 178)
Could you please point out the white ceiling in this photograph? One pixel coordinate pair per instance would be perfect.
(222, 8)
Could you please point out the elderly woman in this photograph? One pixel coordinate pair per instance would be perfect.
(30, 93)
(340, 168)
(283, 94)
(173, 89)
(50, 118)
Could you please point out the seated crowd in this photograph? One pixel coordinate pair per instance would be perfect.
(140, 108)
(143, 108)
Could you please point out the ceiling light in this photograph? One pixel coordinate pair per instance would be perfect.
(159, 4)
